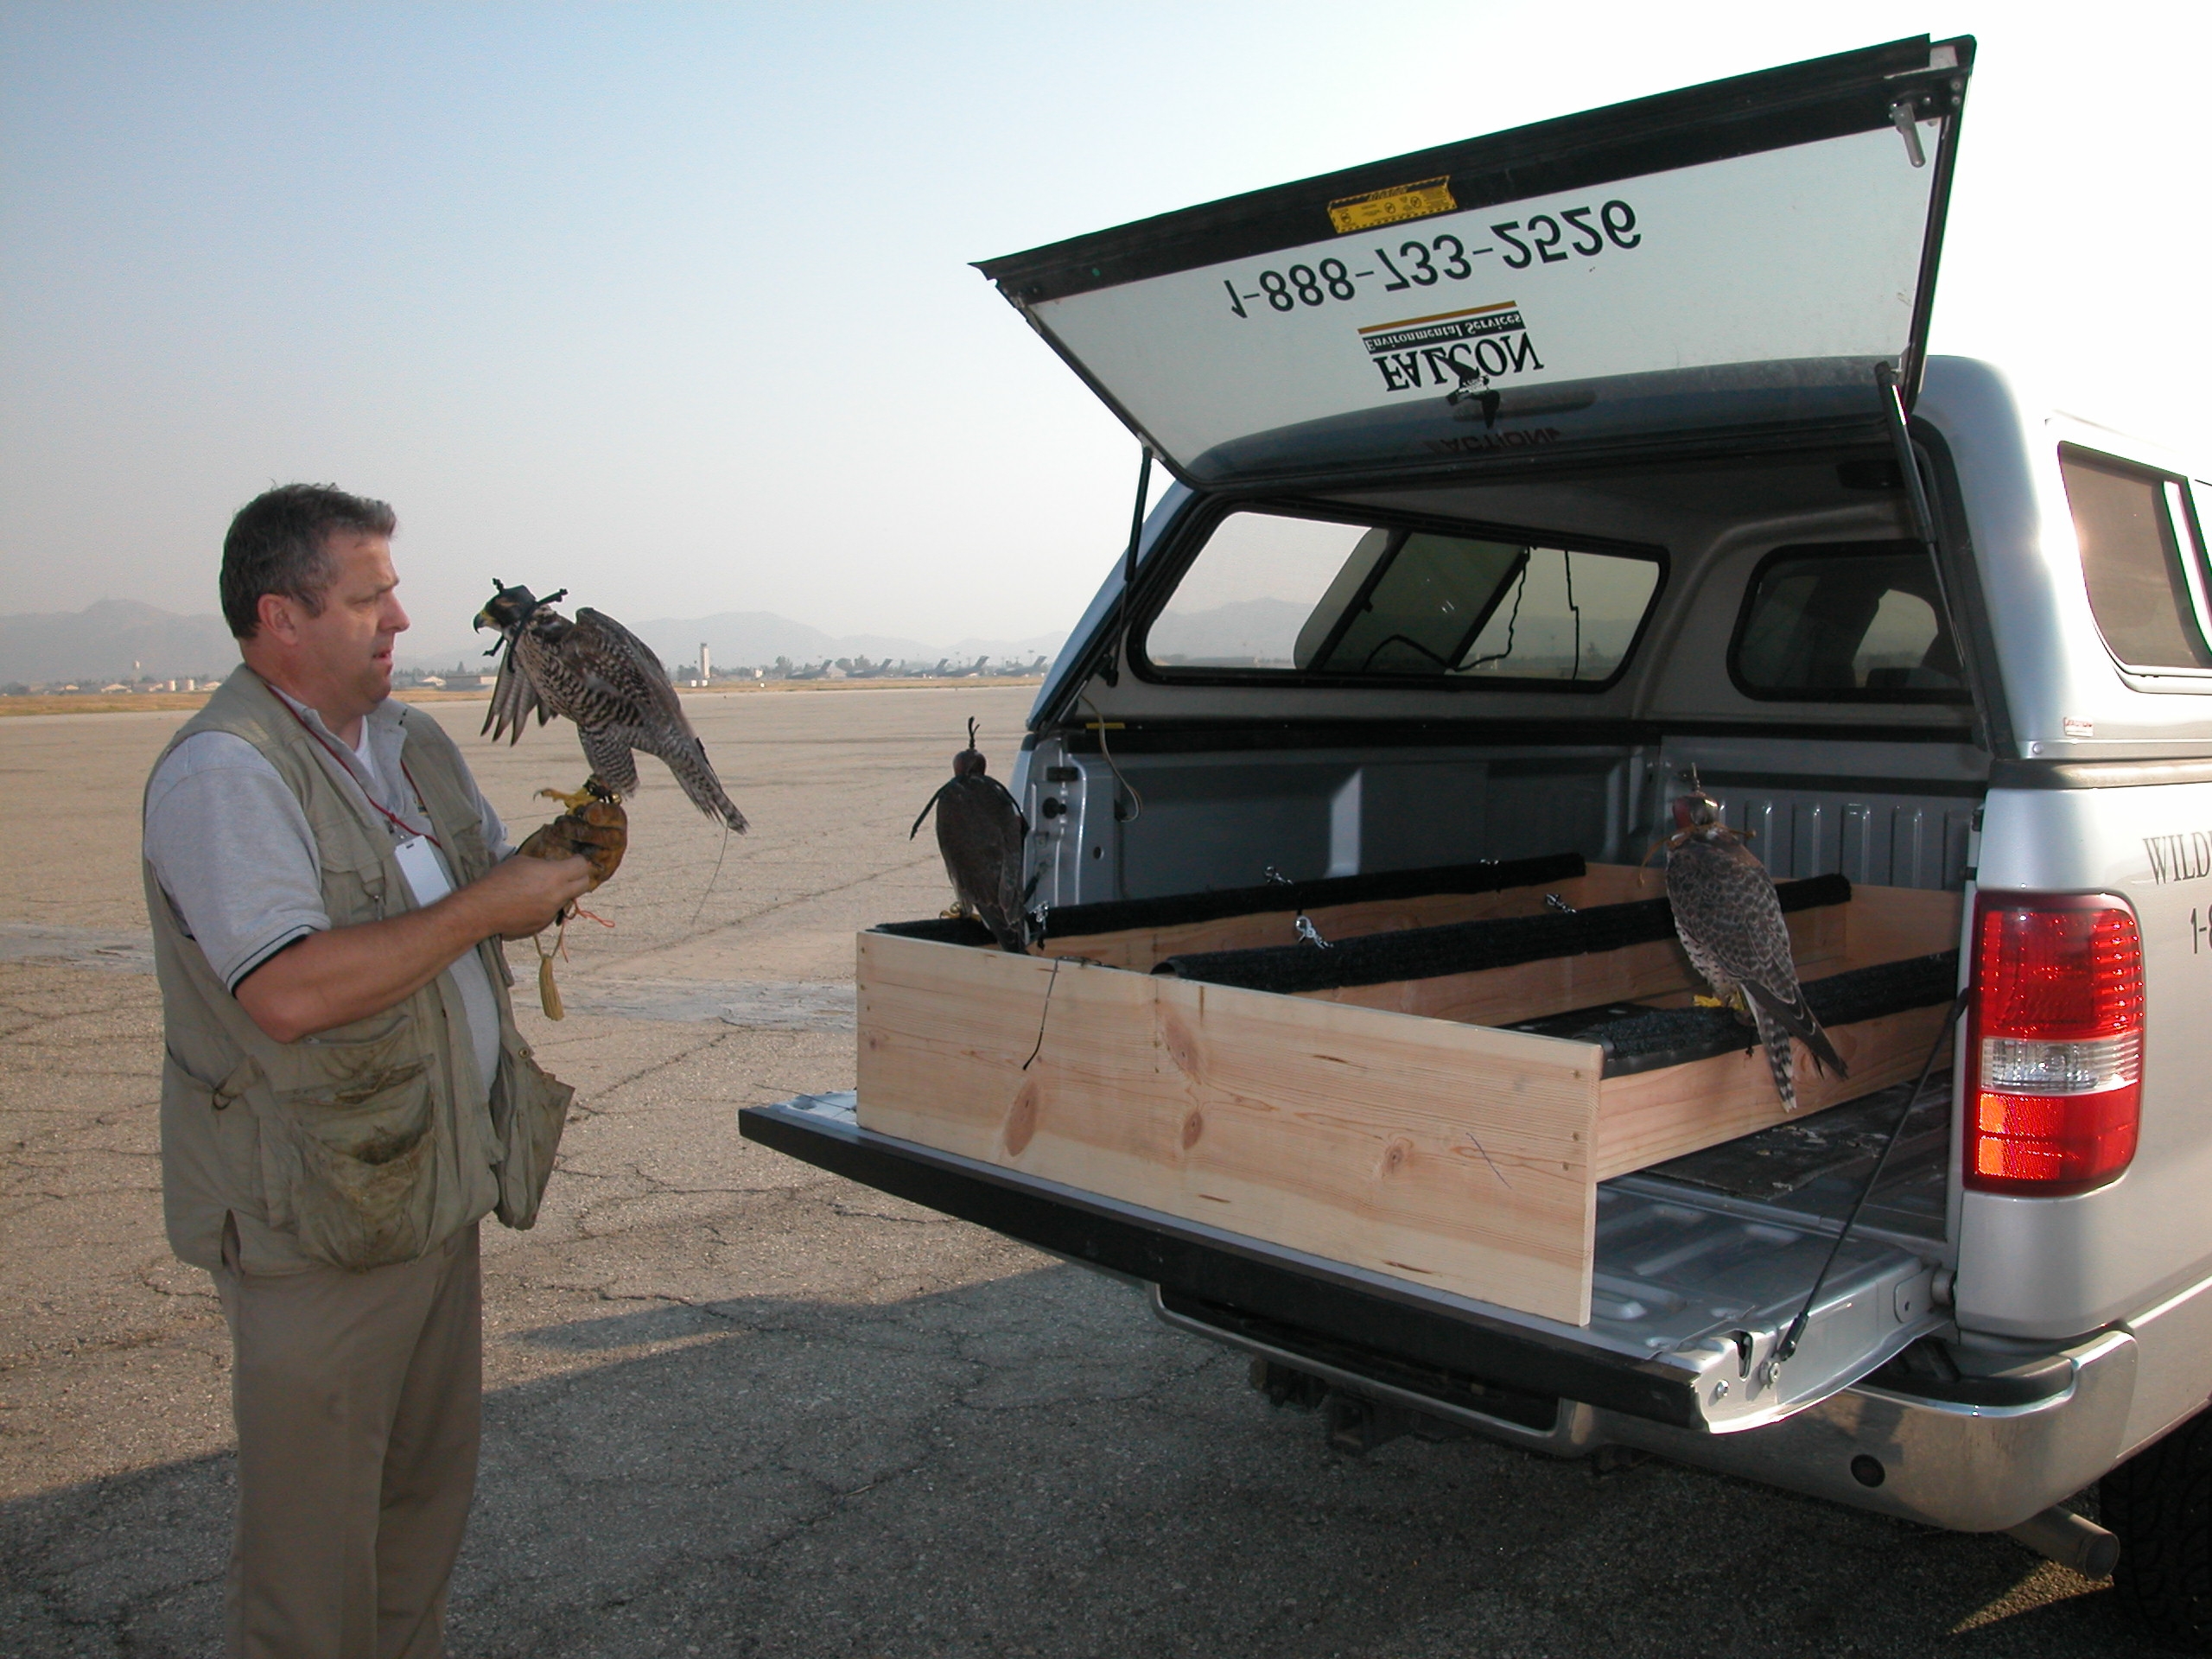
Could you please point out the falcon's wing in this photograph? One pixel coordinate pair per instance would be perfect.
(980, 831)
(514, 697)
(1730, 920)
(627, 700)
(1794, 1015)
(623, 668)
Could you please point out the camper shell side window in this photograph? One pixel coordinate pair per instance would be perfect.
(1846, 622)
(2143, 561)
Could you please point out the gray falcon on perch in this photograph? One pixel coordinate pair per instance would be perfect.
(1730, 924)
(980, 831)
(608, 682)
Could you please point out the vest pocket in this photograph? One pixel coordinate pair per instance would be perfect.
(211, 1145)
(364, 1172)
(529, 1108)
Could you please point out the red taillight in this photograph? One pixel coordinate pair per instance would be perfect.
(2054, 1051)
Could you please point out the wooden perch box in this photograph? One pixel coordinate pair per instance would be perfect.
(1394, 1127)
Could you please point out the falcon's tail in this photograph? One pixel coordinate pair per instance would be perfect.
(1779, 1020)
(1779, 1059)
(696, 774)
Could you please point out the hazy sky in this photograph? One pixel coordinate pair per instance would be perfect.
(669, 304)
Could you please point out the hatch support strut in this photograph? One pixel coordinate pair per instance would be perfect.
(1916, 489)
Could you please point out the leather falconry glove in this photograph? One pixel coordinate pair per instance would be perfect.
(600, 830)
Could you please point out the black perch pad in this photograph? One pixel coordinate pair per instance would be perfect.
(1462, 947)
(941, 930)
(1079, 921)
(1070, 921)
(1639, 1038)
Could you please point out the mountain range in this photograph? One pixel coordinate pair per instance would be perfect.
(756, 639)
(121, 639)
(115, 639)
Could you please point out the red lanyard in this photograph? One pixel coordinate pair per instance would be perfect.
(391, 818)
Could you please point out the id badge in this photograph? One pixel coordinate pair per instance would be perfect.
(426, 874)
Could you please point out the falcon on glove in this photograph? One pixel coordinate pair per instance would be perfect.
(608, 682)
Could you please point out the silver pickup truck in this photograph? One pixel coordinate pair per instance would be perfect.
(1520, 486)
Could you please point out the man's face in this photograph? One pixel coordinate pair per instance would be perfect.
(348, 645)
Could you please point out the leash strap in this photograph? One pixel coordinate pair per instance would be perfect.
(1790, 1338)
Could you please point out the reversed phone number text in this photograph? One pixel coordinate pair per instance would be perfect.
(1424, 264)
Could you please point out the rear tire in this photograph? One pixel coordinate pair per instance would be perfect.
(2159, 1503)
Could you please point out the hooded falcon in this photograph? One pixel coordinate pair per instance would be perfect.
(980, 831)
(1730, 924)
(606, 679)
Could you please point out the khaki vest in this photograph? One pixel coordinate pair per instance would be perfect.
(366, 1144)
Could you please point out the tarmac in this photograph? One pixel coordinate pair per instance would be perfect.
(737, 1406)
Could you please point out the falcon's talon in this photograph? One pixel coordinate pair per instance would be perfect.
(1709, 1003)
(593, 790)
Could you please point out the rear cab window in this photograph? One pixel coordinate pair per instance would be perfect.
(1280, 596)
(2143, 561)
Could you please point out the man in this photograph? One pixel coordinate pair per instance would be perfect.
(344, 1095)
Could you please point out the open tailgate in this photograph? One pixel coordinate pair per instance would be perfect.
(1648, 1361)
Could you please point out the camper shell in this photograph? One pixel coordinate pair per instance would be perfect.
(1518, 488)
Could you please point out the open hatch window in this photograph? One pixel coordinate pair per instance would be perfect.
(2142, 560)
(1846, 622)
(1274, 594)
(1727, 259)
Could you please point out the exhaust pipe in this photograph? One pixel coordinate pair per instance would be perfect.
(2059, 1534)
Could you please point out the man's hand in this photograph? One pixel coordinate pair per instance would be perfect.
(333, 978)
(600, 830)
(524, 895)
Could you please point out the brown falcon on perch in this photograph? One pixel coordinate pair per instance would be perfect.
(608, 682)
(980, 831)
(1730, 923)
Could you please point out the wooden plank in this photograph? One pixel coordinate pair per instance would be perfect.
(1891, 923)
(1888, 922)
(1144, 947)
(1449, 1155)
(1655, 1115)
(1529, 990)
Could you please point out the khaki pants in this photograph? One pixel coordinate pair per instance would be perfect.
(358, 1397)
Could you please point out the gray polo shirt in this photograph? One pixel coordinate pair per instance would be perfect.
(234, 852)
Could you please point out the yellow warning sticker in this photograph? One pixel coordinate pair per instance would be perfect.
(1391, 204)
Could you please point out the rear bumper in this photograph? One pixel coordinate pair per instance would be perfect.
(1969, 1468)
